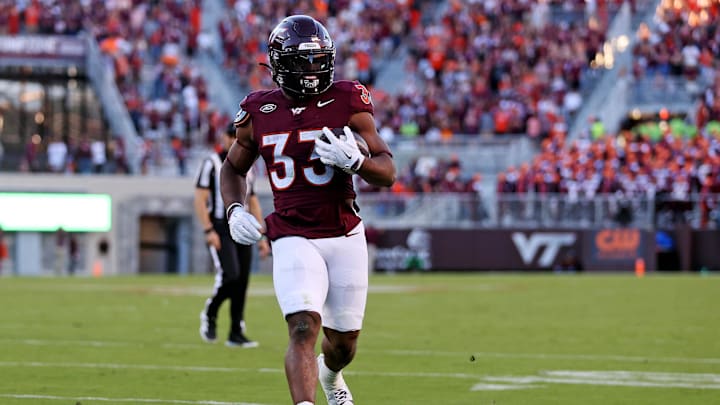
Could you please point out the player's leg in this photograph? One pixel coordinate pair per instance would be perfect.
(300, 363)
(301, 283)
(344, 310)
(338, 351)
(339, 348)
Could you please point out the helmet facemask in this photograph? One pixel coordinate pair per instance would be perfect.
(302, 57)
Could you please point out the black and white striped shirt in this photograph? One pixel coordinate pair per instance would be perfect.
(208, 177)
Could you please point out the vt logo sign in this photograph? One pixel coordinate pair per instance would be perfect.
(547, 242)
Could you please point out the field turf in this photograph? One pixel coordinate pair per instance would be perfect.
(428, 339)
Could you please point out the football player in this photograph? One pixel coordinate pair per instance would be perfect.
(318, 240)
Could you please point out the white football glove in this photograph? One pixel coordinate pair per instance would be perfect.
(244, 228)
(342, 153)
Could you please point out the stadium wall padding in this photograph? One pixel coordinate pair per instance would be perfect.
(613, 249)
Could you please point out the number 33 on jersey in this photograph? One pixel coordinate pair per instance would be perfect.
(285, 132)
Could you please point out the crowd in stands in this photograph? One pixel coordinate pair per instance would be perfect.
(366, 33)
(495, 68)
(429, 174)
(149, 46)
(684, 41)
(82, 156)
(492, 67)
(670, 164)
(478, 67)
(683, 44)
(474, 67)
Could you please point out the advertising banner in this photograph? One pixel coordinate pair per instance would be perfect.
(705, 250)
(473, 249)
(616, 249)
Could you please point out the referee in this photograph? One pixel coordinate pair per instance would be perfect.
(231, 260)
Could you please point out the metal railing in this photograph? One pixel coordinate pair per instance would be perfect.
(476, 153)
(470, 210)
(102, 77)
(662, 89)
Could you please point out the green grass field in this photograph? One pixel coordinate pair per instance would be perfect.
(428, 339)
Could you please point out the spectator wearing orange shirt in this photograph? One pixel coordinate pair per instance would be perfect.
(32, 17)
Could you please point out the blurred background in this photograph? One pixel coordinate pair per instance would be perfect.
(536, 135)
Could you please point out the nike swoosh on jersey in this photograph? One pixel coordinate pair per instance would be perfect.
(321, 103)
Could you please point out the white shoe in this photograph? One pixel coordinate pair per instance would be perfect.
(337, 393)
(207, 328)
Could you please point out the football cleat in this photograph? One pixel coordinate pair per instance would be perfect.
(207, 328)
(240, 340)
(337, 393)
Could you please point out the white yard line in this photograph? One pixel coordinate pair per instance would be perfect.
(99, 343)
(502, 387)
(132, 400)
(91, 343)
(615, 378)
(221, 369)
(410, 353)
(552, 356)
(127, 366)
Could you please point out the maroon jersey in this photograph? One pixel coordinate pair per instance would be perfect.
(309, 197)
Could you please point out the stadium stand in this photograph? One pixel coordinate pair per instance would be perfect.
(149, 47)
(663, 162)
(515, 114)
(366, 34)
(668, 157)
(675, 58)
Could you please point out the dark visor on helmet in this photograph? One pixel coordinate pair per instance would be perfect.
(306, 62)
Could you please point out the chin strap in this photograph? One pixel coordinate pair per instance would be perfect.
(270, 69)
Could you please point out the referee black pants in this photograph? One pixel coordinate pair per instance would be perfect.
(232, 264)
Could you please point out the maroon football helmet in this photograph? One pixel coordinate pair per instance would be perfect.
(302, 56)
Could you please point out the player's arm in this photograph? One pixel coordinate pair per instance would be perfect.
(240, 158)
(244, 227)
(379, 169)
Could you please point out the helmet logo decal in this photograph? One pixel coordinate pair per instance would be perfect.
(310, 83)
(308, 45)
(268, 108)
